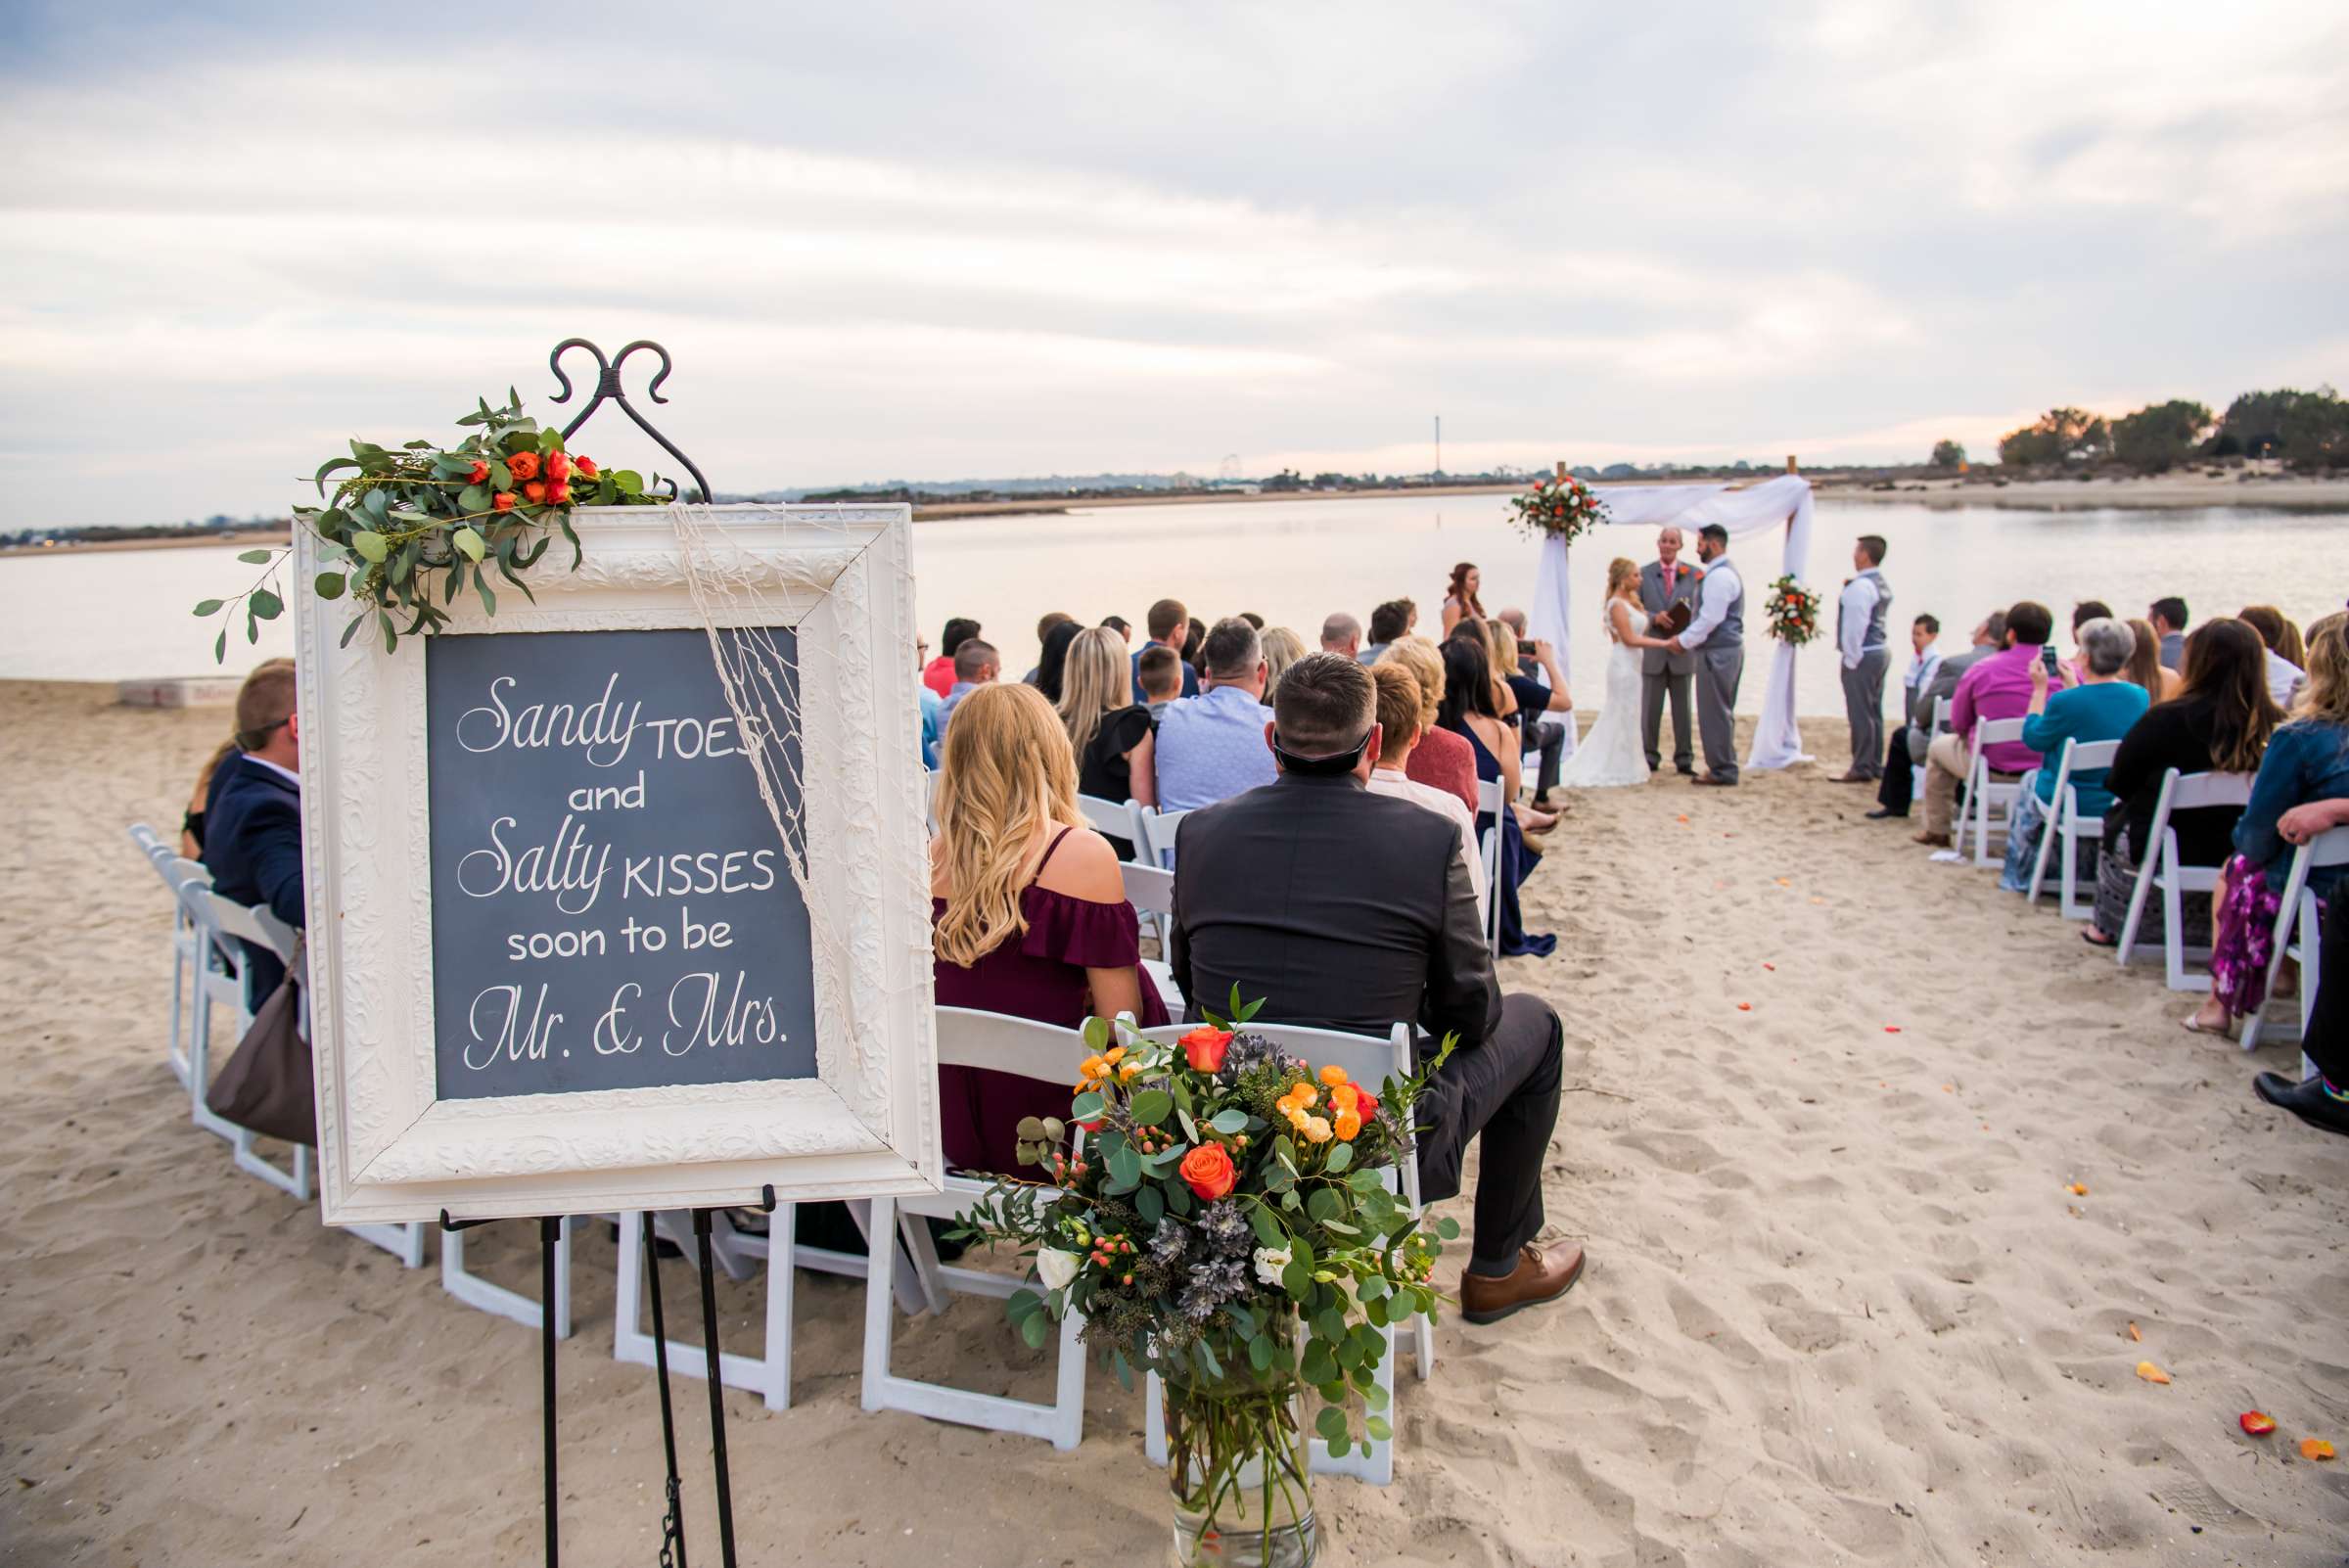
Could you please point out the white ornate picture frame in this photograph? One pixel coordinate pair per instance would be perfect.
(390, 1148)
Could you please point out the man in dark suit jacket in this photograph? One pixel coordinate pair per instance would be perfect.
(253, 831)
(1664, 581)
(1348, 910)
(1909, 742)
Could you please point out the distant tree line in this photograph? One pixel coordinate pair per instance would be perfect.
(2305, 430)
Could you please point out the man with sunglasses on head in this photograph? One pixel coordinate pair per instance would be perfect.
(252, 830)
(1347, 909)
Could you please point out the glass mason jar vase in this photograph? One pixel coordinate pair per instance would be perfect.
(1236, 1466)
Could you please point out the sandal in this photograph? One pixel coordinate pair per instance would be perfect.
(2193, 1023)
(2096, 939)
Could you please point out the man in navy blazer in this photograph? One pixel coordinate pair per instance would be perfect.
(253, 832)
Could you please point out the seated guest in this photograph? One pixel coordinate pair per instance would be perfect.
(253, 832)
(2086, 611)
(1282, 647)
(1159, 669)
(1939, 692)
(1212, 745)
(1347, 910)
(2146, 667)
(1256, 620)
(209, 792)
(1535, 699)
(1468, 711)
(2101, 707)
(2307, 759)
(1043, 629)
(934, 728)
(1050, 666)
(2321, 1100)
(1999, 687)
(1027, 911)
(1893, 791)
(2168, 616)
(2287, 655)
(1121, 626)
(1441, 759)
(2219, 724)
(1109, 735)
(1342, 634)
(200, 802)
(975, 665)
(1398, 732)
(1194, 649)
(938, 676)
(1167, 628)
(1390, 620)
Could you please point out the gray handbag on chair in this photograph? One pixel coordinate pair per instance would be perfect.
(268, 1084)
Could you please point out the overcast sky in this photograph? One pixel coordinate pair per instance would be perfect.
(989, 240)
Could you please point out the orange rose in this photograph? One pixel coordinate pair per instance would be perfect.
(1205, 1046)
(478, 473)
(586, 465)
(1208, 1170)
(535, 493)
(558, 466)
(502, 501)
(523, 466)
(558, 492)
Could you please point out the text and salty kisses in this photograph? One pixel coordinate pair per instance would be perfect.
(596, 892)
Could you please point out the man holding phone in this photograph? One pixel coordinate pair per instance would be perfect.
(1999, 687)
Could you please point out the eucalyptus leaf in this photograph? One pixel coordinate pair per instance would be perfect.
(1229, 1121)
(208, 607)
(371, 545)
(266, 605)
(255, 557)
(221, 648)
(1331, 1423)
(471, 542)
(1149, 1205)
(1151, 1106)
(1340, 1157)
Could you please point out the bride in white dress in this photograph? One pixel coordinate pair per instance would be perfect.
(1612, 755)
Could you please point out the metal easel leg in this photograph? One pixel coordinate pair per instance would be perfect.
(550, 1231)
(718, 1389)
(672, 1520)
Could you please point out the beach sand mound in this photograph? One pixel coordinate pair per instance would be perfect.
(1843, 1306)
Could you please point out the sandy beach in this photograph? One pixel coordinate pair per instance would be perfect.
(1827, 1104)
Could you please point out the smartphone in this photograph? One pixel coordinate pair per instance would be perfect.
(2046, 657)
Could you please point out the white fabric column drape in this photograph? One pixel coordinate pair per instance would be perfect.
(1783, 502)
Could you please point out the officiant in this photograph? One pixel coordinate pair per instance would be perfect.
(1663, 582)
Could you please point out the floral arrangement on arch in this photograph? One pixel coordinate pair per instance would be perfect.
(1221, 1195)
(1793, 611)
(1560, 507)
(493, 501)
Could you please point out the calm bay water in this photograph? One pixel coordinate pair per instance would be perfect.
(120, 615)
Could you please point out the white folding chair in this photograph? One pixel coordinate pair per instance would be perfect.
(2298, 911)
(2068, 823)
(1026, 1049)
(1982, 792)
(769, 1373)
(1366, 1060)
(1938, 723)
(227, 924)
(1151, 891)
(2309, 954)
(187, 945)
(1488, 803)
(483, 1295)
(1158, 833)
(1115, 818)
(2159, 866)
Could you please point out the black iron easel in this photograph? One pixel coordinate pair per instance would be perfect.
(608, 388)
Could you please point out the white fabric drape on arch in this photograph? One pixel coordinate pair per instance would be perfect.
(1782, 500)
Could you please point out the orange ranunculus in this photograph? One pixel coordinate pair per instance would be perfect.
(523, 466)
(1333, 1075)
(535, 493)
(1204, 1047)
(1208, 1172)
(1347, 1124)
(585, 464)
(1316, 1129)
(1345, 1097)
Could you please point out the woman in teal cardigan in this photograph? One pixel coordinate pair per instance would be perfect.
(2307, 759)
(2101, 707)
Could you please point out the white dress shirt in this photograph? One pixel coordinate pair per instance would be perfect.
(1856, 608)
(1444, 804)
(1720, 584)
(2284, 679)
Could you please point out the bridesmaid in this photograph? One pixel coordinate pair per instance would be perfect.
(1027, 910)
(1459, 597)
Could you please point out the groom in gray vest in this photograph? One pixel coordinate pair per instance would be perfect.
(1716, 636)
(1859, 618)
(1666, 580)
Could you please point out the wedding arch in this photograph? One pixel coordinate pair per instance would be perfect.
(1782, 501)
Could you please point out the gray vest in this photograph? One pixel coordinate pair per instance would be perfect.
(1730, 633)
(1874, 637)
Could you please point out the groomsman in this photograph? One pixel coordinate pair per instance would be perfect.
(1894, 791)
(1866, 655)
(1664, 581)
(1718, 631)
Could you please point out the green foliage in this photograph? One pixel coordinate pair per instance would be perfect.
(2306, 428)
(2160, 435)
(1948, 453)
(2059, 434)
(405, 514)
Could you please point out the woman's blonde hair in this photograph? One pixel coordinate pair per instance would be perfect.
(2324, 695)
(1282, 647)
(1007, 778)
(1505, 648)
(1419, 656)
(2145, 658)
(1621, 570)
(1095, 679)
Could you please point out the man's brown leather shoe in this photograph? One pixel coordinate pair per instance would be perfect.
(1537, 1278)
(1851, 778)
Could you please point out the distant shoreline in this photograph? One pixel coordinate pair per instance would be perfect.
(2163, 492)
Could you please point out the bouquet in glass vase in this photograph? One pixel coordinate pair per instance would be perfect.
(1560, 507)
(1225, 1215)
(1793, 611)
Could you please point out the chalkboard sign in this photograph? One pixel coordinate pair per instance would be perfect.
(610, 905)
